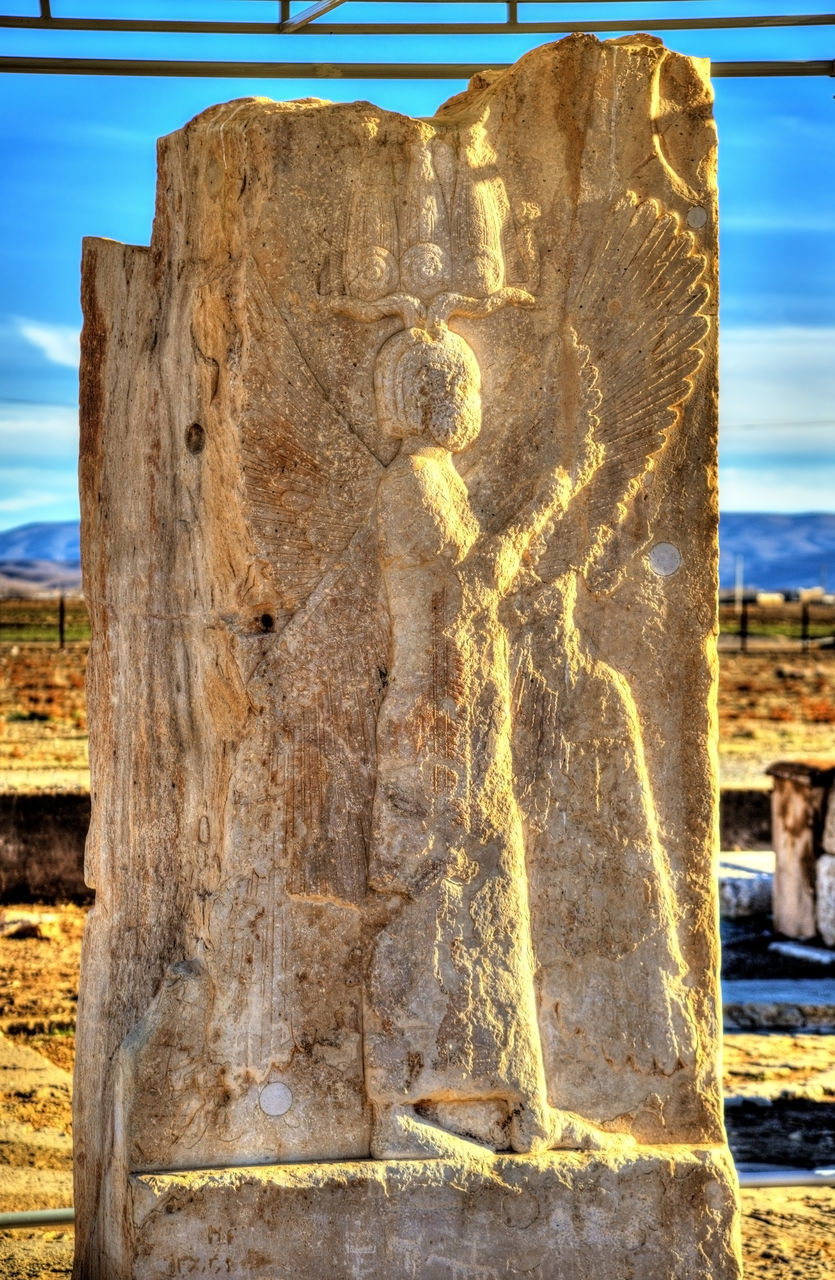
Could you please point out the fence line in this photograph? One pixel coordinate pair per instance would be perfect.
(63, 620)
(57, 620)
(808, 622)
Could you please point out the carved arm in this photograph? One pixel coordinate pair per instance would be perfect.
(496, 559)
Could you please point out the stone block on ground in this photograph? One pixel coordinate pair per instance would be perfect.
(825, 891)
(745, 817)
(772, 1003)
(42, 846)
(658, 1214)
(746, 884)
(799, 805)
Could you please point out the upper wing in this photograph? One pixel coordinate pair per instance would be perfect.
(324, 685)
(636, 315)
(631, 342)
(310, 488)
(310, 481)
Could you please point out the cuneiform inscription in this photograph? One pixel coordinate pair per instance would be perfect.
(415, 1262)
(363, 1258)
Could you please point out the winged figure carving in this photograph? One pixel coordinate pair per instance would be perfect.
(416, 767)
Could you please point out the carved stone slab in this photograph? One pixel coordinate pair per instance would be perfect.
(569, 1215)
(399, 529)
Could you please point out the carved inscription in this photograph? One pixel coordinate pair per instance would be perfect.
(362, 1260)
(415, 1262)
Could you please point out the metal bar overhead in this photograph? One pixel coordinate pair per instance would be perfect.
(345, 70)
(308, 21)
(304, 22)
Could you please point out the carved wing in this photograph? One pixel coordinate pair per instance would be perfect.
(635, 317)
(310, 481)
(632, 333)
(310, 490)
(332, 660)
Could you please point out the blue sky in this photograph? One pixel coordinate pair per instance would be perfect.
(78, 159)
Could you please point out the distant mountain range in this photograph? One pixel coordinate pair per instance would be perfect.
(778, 553)
(55, 540)
(39, 559)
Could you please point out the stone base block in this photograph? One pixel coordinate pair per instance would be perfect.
(826, 897)
(641, 1214)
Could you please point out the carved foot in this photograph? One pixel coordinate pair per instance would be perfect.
(400, 1134)
(548, 1129)
(572, 1133)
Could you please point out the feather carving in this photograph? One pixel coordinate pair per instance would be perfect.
(637, 308)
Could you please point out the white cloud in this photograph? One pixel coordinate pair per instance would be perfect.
(30, 501)
(89, 132)
(38, 463)
(27, 494)
(777, 419)
(38, 435)
(780, 377)
(777, 489)
(58, 342)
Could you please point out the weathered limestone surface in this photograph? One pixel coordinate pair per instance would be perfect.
(825, 887)
(661, 1215)
(801, 802)
(399, 523)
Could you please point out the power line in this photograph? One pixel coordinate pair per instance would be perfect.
(763, 426)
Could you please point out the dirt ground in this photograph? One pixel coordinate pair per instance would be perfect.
(43, 718)
(771, 706)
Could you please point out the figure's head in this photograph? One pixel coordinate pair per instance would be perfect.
(429, 385)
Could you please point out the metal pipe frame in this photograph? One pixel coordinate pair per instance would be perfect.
(36, 1217)
(786, 1177)
(343, 70)
(304, 23)
(544, 28)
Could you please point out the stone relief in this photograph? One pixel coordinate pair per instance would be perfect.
(440, 673)
(452, 1036)
(399, 540)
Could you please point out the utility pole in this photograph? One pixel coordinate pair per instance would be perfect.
(743, 627)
